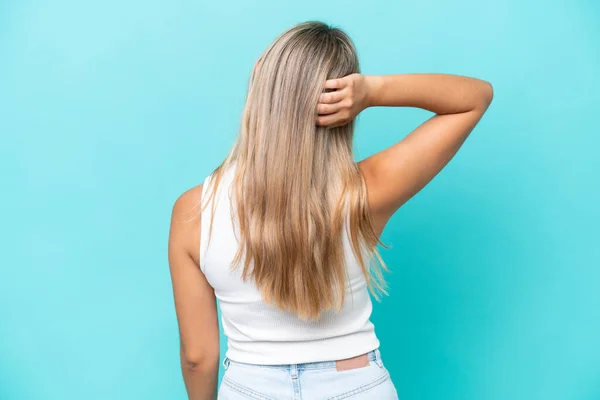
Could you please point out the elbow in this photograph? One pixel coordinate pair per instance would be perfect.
(487, 95)
(199, 361)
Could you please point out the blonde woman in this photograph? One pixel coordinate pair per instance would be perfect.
(284, 232)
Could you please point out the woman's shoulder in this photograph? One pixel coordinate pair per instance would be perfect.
(185, 221)
(188, 199)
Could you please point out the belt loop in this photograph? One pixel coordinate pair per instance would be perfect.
(226, 363)
(294, 371)
(378, 360)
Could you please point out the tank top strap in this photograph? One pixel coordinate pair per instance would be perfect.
(214, 209)
(206, 212)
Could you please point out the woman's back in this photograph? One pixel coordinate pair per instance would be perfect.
(259, 333)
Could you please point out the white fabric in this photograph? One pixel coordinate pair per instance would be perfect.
(258, 333)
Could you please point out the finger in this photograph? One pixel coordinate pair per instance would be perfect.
(324, 109)
(332, 97)
(330, 120)
(337, 83)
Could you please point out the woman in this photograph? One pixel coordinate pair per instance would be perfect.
(284, 231)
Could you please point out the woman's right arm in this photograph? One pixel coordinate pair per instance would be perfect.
(397, 173)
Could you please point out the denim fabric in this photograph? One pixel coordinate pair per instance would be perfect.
(309, 381)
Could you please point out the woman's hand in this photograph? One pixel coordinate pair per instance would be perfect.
(341, 106)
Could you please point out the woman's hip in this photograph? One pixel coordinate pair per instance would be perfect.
(358, 378)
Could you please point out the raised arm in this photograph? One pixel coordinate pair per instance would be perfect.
(398, 172)
(195, 302)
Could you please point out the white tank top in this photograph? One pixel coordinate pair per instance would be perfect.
(258, 333)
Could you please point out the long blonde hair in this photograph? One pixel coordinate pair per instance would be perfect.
(299, 182)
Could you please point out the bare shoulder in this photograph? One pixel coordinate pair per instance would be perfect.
(188, 201)
(185, 222)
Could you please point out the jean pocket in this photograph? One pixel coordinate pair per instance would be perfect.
(233, 390)
(365, 387)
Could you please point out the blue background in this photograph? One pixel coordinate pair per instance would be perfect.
(111, 109)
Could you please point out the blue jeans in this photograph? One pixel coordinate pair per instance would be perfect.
(309, 381)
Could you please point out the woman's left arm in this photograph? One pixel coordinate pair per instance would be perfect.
(195, 303)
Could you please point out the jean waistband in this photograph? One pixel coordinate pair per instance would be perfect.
(374, 355)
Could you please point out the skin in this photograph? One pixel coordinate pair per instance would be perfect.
(393, 176)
